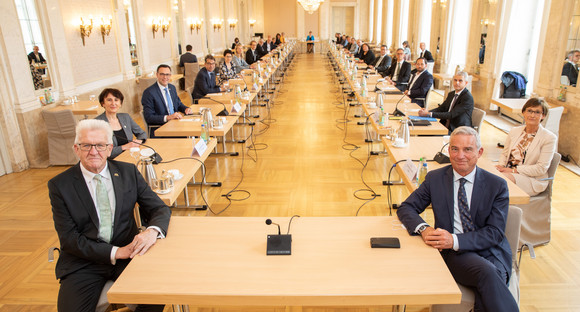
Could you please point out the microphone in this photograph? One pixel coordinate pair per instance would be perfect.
(269, 221)
(441, 158)
(244, 80)
(156, 157)
(397, 112)
(224, 112)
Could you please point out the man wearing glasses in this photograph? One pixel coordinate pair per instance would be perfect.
(160, 101)
(92, 206)
(205, 81)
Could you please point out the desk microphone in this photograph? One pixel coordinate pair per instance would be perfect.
(269, 221)
(244, 80)
(441, 158)
(224, 112)
(281, 244)
(156, 157)
(397, 112)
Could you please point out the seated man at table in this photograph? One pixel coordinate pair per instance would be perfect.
(160, 101)
(260, 48)
(269, 45)
(457, 108)
(205, 82)
(353, 49)
(252, 55)
(400, 71)
(37, 58)
(92, 206)
(470, 207)
(425, 53)
(420, 83)
(383, 62)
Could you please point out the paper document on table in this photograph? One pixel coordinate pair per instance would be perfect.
(188, 119)
(409, 169)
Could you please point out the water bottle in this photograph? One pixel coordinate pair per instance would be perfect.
(382, 118)
(204, 135)
(422, 171)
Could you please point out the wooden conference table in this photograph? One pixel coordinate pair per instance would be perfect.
(514, 106)
(427, 147)
(85, 108)
(223, 262)
(171, 149)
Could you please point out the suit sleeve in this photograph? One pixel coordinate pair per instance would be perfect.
(71, 238)
(425, 85)
(386, 63)
(148, 102)
(463, 106)
(153, 210)
(249, 58)
(492, 233)
(415, 204)
(406, 73)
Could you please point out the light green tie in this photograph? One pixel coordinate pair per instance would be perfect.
(104, 206)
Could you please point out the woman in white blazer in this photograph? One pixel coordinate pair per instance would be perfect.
(529, 149)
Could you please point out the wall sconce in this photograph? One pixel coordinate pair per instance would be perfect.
(194, 24)
(487, 22)
(86, 29)
(252, 22)
(160, 23)
(233, 22)
(217, 23)
(106, 27)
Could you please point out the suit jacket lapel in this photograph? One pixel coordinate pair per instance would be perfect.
(119, 188)
(477, 192)
(448, 187)
(85, 196)
(161, 99)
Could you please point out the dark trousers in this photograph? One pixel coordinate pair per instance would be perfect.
(486, 277)
(80, 291)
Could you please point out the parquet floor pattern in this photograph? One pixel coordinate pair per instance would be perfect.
(301, 168)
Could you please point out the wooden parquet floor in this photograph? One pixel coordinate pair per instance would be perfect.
(304, 164)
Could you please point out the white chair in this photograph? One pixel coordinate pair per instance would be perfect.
(538, 212)
(552, 120)
(60, 127)
(512, 233)
(477, 118)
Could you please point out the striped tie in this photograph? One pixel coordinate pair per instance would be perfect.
(104, 206)
(464, 208)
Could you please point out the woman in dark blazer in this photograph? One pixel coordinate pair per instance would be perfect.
(367, 56)
(124, 127)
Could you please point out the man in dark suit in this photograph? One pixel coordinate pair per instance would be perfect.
(269, 45)
(37, 58)
(425, 53)
(92, 205)
(187, 57)
(252, 55)
(457, 108)
(420, 83)
(205, 81)
(160, 101)
(570, 68)
(400, 71)
(470, 207)
(260, 48)
(383, 62)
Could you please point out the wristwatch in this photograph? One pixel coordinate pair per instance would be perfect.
(422, 228)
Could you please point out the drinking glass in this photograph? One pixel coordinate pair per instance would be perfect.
(135, 153)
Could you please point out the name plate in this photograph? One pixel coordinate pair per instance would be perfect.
(409, 169)
(255, 86)
(236, 108)
(199, 148)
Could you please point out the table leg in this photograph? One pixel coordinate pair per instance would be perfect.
(399, 308)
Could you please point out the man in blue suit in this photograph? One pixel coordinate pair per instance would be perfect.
(160, 101)
(420, 83)
(205, 81)
(470, 207)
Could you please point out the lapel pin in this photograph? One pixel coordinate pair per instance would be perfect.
(116, 174)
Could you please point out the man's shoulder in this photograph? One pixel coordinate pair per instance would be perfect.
(151, 88)
(66, 175)
(490, 178)
(121, 166)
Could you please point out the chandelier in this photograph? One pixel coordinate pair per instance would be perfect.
(310, 5)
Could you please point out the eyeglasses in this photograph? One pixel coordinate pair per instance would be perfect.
(210, 63)
(87, 147)
(534, 112)
(164, 75)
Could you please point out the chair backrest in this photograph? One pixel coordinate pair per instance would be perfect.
(144, 83)
(512, 229)
(477, 118)
(552, 120)
(551, 172)
(60, 126)
(189, 94)
(191, 70)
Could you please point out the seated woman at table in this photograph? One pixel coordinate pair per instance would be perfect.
(227, 68)
(239, 59)
(124, 127)
(278, 39)
(529, 149)
(366, 56)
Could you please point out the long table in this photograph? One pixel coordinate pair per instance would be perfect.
(223, 262)
(83, 108)
(427, 147)
(171, 149)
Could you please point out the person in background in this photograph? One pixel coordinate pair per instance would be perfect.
(205, 82)
(187, 57)
(420, 83)
(236, 42)
(457, 108)
(93, 205)
(407, 50)
(349, 43)
(425, 53)
(278, 39)
(359, 43)
(310, 43)
(160, 101)
(283, 38)
(353, 46)
(400, 71)
(383, 62)
(227, 67)
(124, 127)
(570, 68)
(252, 55)
(529, 149)
(260, 48)
(239, 61)
(470, 208)
(337, 38)
(35, 57)
(367, 56)
(269, 45)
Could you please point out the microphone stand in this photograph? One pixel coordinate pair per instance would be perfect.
(397, 112)
(224, 112)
